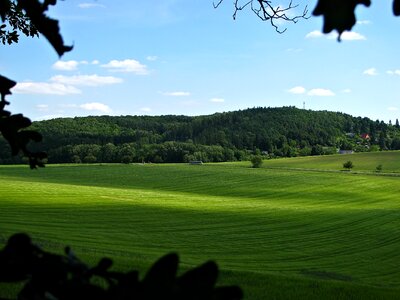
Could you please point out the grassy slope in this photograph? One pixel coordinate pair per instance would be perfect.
(296, 234)
(365, 162)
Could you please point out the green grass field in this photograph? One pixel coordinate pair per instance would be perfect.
(294, 229)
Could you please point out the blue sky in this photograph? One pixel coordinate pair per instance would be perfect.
(185, 57)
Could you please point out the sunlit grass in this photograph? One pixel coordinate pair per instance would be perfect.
(309, 233)
(367, 162)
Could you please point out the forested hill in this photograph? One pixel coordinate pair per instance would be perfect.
(285, 131)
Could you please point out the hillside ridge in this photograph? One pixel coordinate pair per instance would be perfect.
(227, 136)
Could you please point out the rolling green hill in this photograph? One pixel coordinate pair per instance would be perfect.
(363, 162)
(228, 136)
(281, 233)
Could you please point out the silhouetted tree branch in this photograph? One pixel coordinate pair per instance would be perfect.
(15, 21)
(266, 11)
(338, 15)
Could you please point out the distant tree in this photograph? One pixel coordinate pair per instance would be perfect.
(256, 161)
(348, 165)
(374, 148)
(126, 159)
(346, 145)
(108, 153)
(395, 145)
(89, 159)
(306, 151)
(76, 159)
(317, 150)
(382, 141)
(397, 125)
(126, 150)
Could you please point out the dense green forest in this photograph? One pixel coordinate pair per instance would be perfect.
(228, 136)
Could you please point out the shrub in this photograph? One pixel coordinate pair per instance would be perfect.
(379, 168)
(348, 165)
(256, 161)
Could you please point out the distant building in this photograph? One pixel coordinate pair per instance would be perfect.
(365, 136)
(346, 151)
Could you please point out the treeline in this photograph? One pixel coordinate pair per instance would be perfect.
(229, 136)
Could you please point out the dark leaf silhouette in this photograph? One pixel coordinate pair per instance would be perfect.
(201, 280)
(396, 7)
(45, 25)
(5, 6)
(339, 14)
(160, 279)
(5, 86)
(65, 277)
(13, 128)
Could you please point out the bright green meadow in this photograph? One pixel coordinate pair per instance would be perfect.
(299, 228)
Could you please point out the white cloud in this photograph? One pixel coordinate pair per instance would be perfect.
(95, 62)
(69, 65)
(145, 109)
(371, 72)
(297, 90)
(86, 80)
(96, 106)
(346, 91)
(352, 36)
(394, 72)
(314, 34)
(176, 94)
(45, 88)
(217, 100)
(127, 65)
(321, 93)
(393, 108)
(346, 36)
(90, 5)
(152, 58)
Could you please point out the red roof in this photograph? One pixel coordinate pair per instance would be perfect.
(365, 136)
